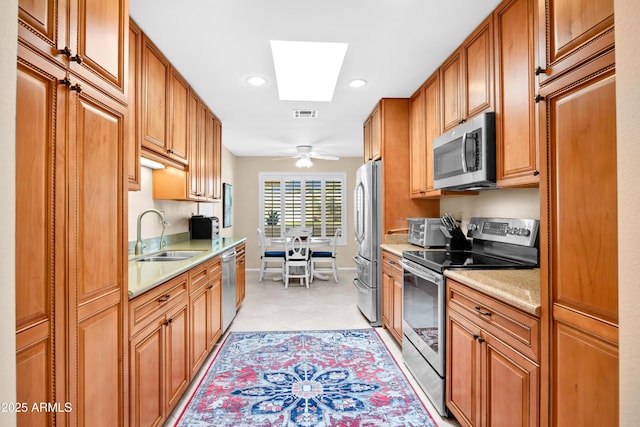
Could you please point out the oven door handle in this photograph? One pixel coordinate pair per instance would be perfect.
(463, 152)
(425, 274)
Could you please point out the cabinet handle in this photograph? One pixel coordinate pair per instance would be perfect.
(538, 98)
(539, 70)
(65, 82)
(66, 51)
(481, 311)
(164, 298)
(170, 150)
(77, 88)
(210, 286)
(536, 172)
(167, 322)
(480, 340)
(77, 58)
(461, 121)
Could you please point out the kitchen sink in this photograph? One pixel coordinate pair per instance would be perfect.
(169, 256)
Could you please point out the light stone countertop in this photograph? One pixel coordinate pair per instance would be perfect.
(398, 248)
(144, 276)
(519, 288)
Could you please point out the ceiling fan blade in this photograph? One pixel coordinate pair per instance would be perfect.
(284, 158)
(321, 157)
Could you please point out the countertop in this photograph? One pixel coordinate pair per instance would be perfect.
(398, 248)
(519, 288)
(144, 276)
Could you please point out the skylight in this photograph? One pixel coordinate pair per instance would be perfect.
(307, 71)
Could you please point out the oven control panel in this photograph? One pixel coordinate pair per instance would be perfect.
(517, 231)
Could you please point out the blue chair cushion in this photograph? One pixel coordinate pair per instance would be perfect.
(322, 254)
(274, 254)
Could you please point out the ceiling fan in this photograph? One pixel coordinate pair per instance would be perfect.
(304, 155)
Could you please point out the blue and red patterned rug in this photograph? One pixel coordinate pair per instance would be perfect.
(304, 379)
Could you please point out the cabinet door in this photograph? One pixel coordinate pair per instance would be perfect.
(177, 367)
(477, 77)
(199, 328)
(366, 131)
(209, 151)
(147, 370)
(451, 91)
(43, 25)
(155, 86)
(463, 386)
(214, 312)
(133, 134)
(101, 371)
(194, 172)
(516, 145)
(417, 147)
(510, 392)
(387, 300)
(98, 40)
(217, 160)
(582, 229)
(177, 146)
(432, 124)
(571, 32)
(376, 134)
(397, 310)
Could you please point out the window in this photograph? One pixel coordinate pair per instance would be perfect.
(311, 200)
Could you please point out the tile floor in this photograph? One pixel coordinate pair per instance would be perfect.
(325, 305)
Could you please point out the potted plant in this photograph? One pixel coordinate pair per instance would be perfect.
(273, 217)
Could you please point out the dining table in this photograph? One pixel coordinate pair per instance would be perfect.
(314, 242)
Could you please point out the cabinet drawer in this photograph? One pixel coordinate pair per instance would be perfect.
(391, 265)
(198, 277)
(215, 268)
(155, 303)
(515, 328)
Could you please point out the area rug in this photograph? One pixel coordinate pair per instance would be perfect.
(343, 378)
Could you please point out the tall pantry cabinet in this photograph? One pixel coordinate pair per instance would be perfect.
(71, 291)
(579, 260)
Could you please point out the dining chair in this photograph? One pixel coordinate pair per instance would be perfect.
(325, 261)
(302, 231)
(297, 260)
(268, 258)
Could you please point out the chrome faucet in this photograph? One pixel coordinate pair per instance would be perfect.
(138, 249)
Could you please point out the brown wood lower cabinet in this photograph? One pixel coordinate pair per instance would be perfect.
(392, 294)
(159, 351)
(173, 328)
(493, 370)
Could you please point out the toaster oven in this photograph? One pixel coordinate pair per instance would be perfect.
(426, 232)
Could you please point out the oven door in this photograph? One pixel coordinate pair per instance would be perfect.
(423, 312)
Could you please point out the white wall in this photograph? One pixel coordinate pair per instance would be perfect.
(8, 51)
(627, 15)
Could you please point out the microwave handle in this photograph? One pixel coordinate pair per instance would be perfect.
(463, 151)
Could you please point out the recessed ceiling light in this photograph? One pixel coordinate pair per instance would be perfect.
(255, 80)
(357, 83)
(307, 71)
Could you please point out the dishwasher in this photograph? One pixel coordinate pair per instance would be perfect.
(228, 288)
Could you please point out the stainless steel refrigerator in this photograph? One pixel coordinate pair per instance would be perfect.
(368, 234)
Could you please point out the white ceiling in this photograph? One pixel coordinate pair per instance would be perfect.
(393, 44)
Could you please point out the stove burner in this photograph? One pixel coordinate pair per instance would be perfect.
(442, 260)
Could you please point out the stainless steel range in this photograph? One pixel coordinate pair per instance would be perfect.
(497, 243)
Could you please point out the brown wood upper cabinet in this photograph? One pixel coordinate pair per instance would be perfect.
(578, 31)
(133, 134)
(466, 78)
(164, 105)
(516, 145)
(78, 35)
(373, 136)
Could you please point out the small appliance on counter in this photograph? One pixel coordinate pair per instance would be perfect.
(204, 227)
(426, 232)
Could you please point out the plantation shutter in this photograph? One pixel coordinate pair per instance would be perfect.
(312, 200)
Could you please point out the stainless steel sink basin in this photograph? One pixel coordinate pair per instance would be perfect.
(169, 256)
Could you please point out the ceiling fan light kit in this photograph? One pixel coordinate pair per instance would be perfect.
(304, 162)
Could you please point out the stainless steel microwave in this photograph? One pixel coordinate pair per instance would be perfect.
(464, 158)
